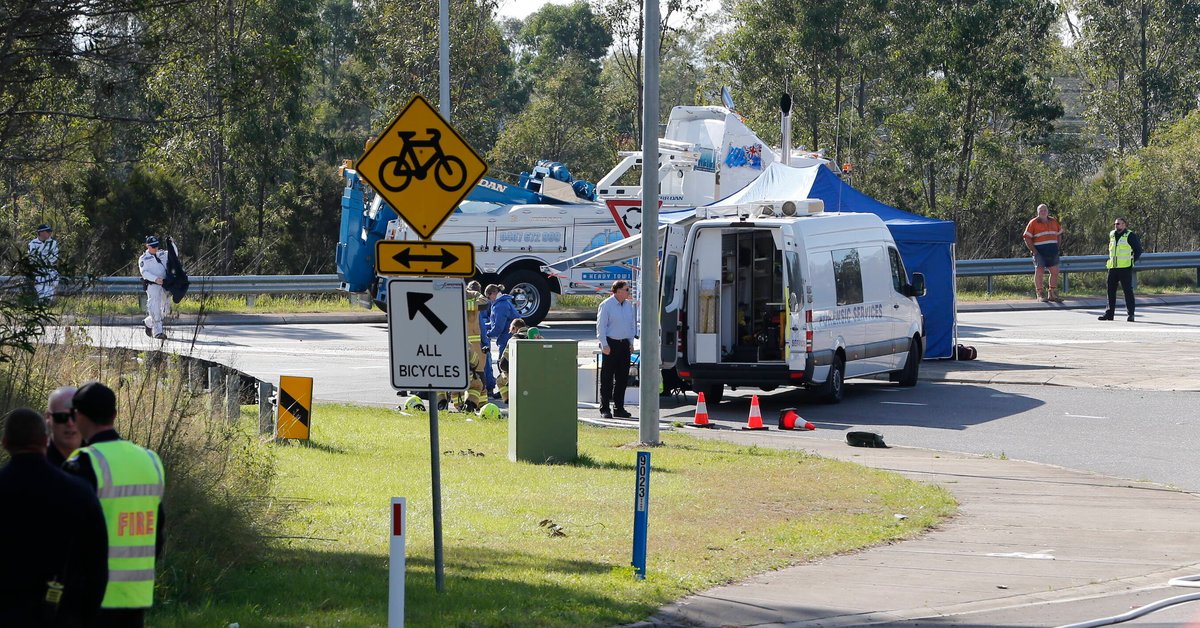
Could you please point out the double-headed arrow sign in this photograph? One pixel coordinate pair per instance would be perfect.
(425, 259)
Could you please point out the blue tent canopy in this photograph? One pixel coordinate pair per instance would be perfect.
(926, 244)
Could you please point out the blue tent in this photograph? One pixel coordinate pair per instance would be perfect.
(926, 244)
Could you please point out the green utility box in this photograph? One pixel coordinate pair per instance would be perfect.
(543, 401)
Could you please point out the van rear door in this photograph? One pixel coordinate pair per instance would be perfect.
(671, 297)
(793, 294)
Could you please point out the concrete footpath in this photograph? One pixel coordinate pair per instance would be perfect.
(1031, 545)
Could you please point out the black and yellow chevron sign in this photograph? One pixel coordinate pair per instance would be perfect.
(295, 407)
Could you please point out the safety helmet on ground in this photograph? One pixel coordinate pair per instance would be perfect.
(489, 411)
(414, 403)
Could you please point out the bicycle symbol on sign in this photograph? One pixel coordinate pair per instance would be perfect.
(397, 172)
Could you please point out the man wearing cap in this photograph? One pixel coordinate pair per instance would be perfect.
(55, 565)
(64, 434)
(129, 480)
(153, 267)
(43, 255)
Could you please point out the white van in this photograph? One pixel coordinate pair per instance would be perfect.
(782, 294)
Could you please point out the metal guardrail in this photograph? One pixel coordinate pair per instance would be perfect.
(298, 284)
(229, 284)
(1074, 264)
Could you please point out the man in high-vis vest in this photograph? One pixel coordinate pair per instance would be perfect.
(1124, 250)
(129, 481)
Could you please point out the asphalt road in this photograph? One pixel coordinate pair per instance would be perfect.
(1128, 423)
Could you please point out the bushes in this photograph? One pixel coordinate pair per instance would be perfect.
(219, 475)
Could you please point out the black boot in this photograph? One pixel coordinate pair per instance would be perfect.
(1106, 316)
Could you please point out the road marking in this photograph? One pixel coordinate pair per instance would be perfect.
(903, 403)
(1023, 555)
(1084, 416)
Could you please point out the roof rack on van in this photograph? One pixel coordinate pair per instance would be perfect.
(769, 209)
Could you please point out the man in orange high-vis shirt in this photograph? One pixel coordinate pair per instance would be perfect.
(1042, 237)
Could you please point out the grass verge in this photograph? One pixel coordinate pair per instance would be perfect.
(719, 512)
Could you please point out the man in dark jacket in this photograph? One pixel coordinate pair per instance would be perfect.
(55, 565)
(1124, 250)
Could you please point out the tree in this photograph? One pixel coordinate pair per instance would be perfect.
(1140, 61)
(565, 121)
(626, 21)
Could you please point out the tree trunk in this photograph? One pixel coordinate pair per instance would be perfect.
(1143, 84)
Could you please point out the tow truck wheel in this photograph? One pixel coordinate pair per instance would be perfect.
(382, 305)
(531, 294)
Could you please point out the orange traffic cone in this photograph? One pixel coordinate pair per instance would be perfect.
(701, 419)
(754, 421)
(790, 420)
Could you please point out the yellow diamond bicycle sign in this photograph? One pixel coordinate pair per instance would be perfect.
(421, 167)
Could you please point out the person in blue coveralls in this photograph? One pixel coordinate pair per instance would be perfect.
(501, 316)
(485, 309)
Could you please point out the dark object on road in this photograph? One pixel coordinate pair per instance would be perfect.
(865, 439)
(965, 352)
(177, 281)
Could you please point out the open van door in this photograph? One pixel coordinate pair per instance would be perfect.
(671, 288)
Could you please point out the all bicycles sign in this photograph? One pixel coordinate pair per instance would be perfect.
(421, 167)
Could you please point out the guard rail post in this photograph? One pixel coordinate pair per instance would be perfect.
(233, 394)
(266, 410)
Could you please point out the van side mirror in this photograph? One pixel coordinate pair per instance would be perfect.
(917, 287)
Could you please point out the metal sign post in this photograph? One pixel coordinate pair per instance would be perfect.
(641, 514)
(649, 374)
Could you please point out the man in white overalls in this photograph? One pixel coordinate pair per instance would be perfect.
(43, 255)
(153, 267)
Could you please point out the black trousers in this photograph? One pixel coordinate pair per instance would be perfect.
(614, 373)
(1123, 276)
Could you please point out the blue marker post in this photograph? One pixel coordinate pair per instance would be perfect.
(641, 514)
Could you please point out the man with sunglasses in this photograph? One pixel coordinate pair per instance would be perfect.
(64, 434)
(1124, 250)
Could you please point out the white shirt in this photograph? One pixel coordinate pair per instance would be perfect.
(153, 266)
(615, 320)
(43, 253)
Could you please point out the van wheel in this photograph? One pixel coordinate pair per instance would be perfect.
(713, 393)
(912, 366)
(834, 387)
(531, 294)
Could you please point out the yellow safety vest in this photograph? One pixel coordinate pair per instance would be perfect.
(1120, 254)
(129, 483)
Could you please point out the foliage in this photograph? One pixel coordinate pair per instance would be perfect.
(1154, 189)
(217, 472)
(1140, 63)
(222, 123)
